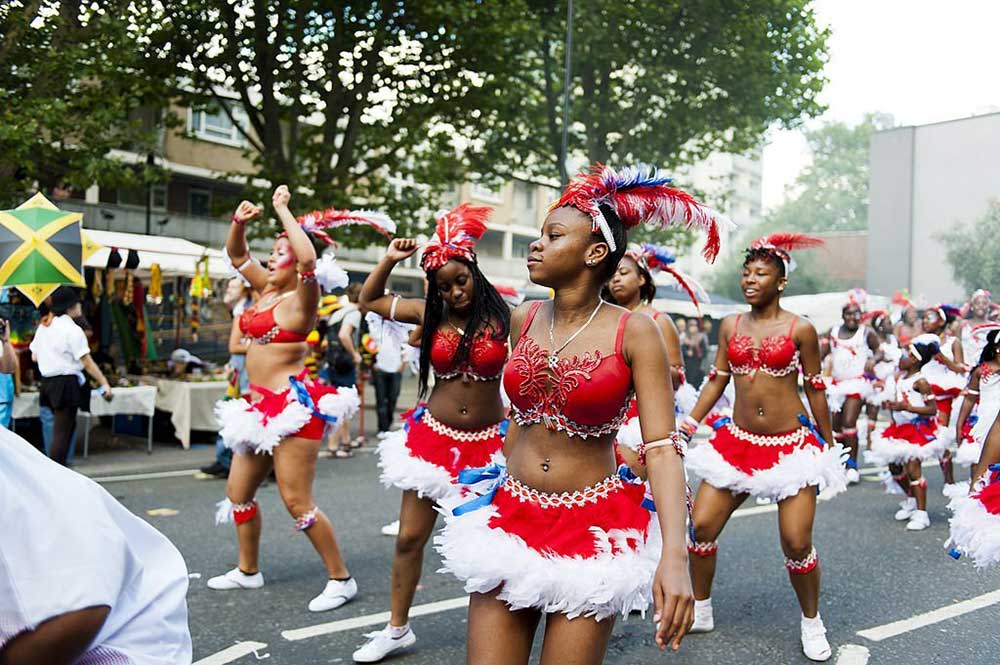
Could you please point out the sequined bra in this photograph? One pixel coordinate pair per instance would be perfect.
(484, 363)
(260, 326)
(776, 356)
(585, 395)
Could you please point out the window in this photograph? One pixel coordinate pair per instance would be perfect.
(520, 246)
(491, 245)
(524, 196)
(200, 202)
(485, 192)
(214, 124)
(136, 196)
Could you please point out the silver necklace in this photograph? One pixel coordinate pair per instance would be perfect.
(554, 353)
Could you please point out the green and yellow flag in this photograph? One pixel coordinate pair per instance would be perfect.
(42, 247)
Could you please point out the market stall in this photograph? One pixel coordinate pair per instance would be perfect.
(191, 404)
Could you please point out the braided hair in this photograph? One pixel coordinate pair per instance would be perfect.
(489, 312)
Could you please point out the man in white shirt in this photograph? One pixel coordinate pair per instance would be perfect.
(393, 340)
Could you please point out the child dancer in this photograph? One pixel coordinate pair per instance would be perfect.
(884, 373)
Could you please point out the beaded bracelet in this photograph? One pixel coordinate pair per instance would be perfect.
(674, 440)
(238, 221)
(815, 380)
(308, 276)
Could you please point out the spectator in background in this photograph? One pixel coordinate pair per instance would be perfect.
(63, 353)
(238, 297)
(712, 344)
(343, 361)
(393, 339)
(8, 368)
(694, 343)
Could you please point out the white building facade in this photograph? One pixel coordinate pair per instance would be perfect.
(924, 181)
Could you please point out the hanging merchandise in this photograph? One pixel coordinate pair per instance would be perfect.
(195, 321)
(97, 285)
(132, 262)
(138, 301)
(114, 259)
(155, 295)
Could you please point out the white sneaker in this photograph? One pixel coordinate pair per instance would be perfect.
(391, 529)
(907, 507)
(381, 643)
(919, 521)
(763, 500)
(382, 435)
(953, 490)
(334, 595)
(704, 620)
(236, 579)
(814, 643)
(853, 477)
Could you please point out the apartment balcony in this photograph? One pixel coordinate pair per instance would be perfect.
(209, 231)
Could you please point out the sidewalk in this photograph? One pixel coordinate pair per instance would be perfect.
(126, 455)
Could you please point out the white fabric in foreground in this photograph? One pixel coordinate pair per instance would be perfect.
(802, 468)
(603, 586)
(77, 547)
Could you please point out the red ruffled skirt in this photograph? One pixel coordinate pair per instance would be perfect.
(427, 455)
(303, 410)
(975, 525)
(592, 552)
(776, 466)
(900, 443)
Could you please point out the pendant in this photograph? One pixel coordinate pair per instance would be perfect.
(553, 361)
(545, 465)
(760, 411)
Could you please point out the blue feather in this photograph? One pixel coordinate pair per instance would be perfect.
(661, 253)
(632, 177)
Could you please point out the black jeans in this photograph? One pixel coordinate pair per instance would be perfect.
(387, 386)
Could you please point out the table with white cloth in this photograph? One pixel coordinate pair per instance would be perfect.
(191, 404)
(134, 401)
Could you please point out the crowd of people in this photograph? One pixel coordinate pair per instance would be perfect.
(539, 432)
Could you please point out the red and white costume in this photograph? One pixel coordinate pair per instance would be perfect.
(848, 358)
(885, 372)
(427, 455)
(775, 466)
(591, 552)
(975, 522)
(945, 384)
(305, 409)
(971, 447)
(908, 436)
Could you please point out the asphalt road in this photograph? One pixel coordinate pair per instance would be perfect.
(874, 573)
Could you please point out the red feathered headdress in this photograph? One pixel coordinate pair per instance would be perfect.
(874, 317)
(456, 233)
(782, 244)
(655, 258)
(902, 299)
(319, 222)
(638, 194)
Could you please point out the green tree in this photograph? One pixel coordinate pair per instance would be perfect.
(661, 81)
(370, 103)
(973, 251)
(830, 194)
(70, 86)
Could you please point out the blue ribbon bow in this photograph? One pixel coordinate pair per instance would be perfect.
(628, 476)
(719, 423)
(805, 422)
(306, 400)
(495, 472)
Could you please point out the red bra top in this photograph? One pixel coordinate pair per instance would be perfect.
(260, 327)
(583, 396)
(484, 363)
(776, 355)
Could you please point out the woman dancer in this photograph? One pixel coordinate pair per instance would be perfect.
(769, 448)
(884, 373)
(633, 288)
(911, 438)
(984, 389)
(582, 548)
(854, 350)
(465, 324)
(283, 425)
(946, 373)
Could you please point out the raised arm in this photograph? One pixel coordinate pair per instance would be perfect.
(307, 293)
(373, 296)
(808, 343)
(672, 595)
(238, 249)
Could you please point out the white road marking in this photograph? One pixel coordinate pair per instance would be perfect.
(144, 476)
(852, 654)
(372, 619)
(234, 652)
(879, 633)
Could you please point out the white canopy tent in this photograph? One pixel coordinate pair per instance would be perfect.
(176, 256)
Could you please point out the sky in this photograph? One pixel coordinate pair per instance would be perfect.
(918, 60)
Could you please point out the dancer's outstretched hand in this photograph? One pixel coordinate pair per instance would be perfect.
(400, 249)
(673, 601)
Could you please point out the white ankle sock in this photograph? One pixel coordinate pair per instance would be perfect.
(396, 632)
(806, 621)
(707, 603)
